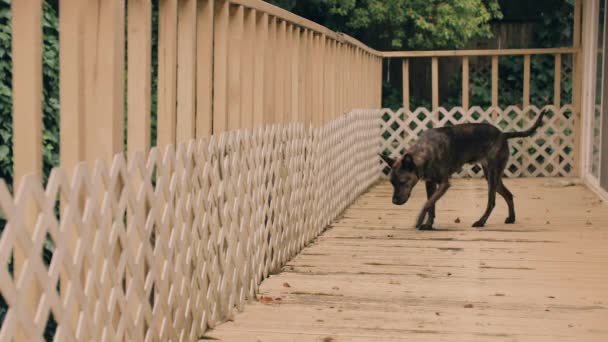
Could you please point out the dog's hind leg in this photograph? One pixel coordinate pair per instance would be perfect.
(493, 179)
(508, 196)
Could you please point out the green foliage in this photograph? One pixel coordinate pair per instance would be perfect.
(6, 93)
(403, 24)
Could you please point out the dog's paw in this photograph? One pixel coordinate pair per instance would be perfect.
(425, 227)
(479, 224)
(510, 220)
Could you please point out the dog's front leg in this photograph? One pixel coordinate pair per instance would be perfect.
(430, 204)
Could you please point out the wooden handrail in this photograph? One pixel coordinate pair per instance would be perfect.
(471, 53)
(294, 19)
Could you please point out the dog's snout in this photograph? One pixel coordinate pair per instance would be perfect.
(399, 200)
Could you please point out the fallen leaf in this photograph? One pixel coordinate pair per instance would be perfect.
(449, 274)
(389, 236)
(468, 306)
(335, 288)
(328, 339)
(457, 220)
(437, 313)
(499, 295)
(278, 299)
(286, 285)
(589, 223)
(551, 297)
(266, 300)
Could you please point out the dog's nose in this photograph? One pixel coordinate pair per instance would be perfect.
(399, 201)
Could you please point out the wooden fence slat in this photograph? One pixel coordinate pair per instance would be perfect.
(287, 72)
(237, 16)
(494, 81)
(296, 61)
(71, 87)
(465, 83)
(105, 128)
(435, 82)
(261, 41)
(27, 127)
(248, 62)
(204, 68)
(279, 75)
(406, 83)
(526, 94)
(139, 75)
(220, 66)
(309, 77)
(167, 72)
(269, 72)
(557, 81)
(186, 70)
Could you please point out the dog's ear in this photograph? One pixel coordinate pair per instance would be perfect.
(408, 163)
(390, 161)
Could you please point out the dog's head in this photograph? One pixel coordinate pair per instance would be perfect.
(403, 176)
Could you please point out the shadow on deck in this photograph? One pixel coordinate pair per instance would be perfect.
(372, 277)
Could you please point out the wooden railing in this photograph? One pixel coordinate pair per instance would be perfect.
(495, 55)
(222, 65)
(557, 153)
(262, 141)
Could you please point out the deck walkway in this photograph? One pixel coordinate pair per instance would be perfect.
(373, 278)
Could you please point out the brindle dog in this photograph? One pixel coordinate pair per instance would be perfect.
(440, 152)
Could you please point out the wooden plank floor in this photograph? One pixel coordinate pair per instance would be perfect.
(372, 277)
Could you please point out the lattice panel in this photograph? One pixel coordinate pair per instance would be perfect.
(549, 153)
(160, 248)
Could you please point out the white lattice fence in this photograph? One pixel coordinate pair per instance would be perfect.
(549, 153)
(163, 247)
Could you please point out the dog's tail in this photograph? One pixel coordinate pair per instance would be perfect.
(530, 131)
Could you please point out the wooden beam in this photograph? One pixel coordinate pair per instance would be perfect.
(577, 85)
(471, 53)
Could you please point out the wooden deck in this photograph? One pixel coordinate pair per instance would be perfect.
(372, 277)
